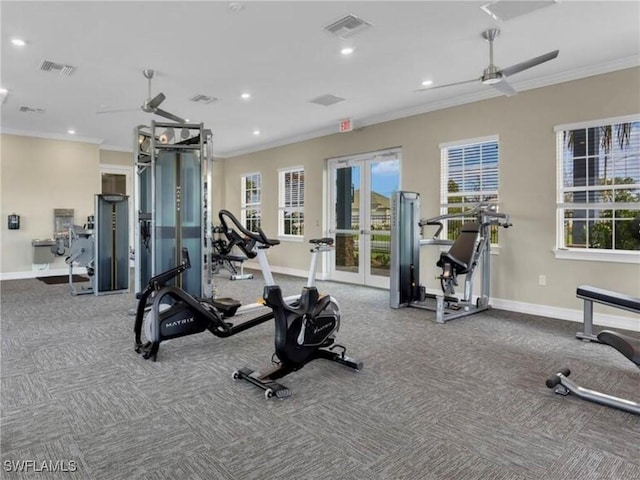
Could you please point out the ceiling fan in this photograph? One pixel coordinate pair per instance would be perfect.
(151, 104)
(495, 76)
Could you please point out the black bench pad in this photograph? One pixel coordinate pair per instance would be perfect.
(626, 345)
(608, 297)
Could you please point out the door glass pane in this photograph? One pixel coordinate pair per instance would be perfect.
(346, 218)
(347, 198)
(347, 252)
(385, 179)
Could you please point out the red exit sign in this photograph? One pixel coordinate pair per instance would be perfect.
(346, 125)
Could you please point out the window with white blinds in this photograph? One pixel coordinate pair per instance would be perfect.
(598, 185)
(251, 201)
(291, 202)
(469, 175)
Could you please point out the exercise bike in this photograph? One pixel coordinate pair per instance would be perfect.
(304, 332)
(175, 313)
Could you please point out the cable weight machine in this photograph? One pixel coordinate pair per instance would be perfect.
(470, 250)
(173, 182)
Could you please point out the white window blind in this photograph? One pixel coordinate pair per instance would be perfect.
(251, 201)
(469, 175)
(291, 205)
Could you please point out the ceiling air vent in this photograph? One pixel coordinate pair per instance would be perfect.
(49, 66)
(347, 26)
(31, 110)
(508, 9)
(203, 99)
(326, 100)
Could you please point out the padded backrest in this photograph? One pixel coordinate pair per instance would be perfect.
(461, 252)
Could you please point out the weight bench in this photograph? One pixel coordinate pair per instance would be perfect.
(605, 297)
(229, 261)
(626, 345)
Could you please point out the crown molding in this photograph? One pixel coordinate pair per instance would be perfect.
(115, 148)
(51, 136)
(485, 94)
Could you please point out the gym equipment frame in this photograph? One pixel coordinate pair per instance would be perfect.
(102, 250)
(173, 184)
(605, 297)
(470, 250)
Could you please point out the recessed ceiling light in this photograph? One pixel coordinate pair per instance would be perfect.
(246, 96)
(256, 132)
(235, 6)
(18, 42)
(71, 131)
(426, 83)
(346, 51)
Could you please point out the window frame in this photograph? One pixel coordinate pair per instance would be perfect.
(444, 181)
(244, 205)
(587, 253)
(282, 172)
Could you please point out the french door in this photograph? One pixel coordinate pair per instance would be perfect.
(360, 189)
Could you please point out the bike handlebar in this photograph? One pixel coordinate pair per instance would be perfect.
(250, 239)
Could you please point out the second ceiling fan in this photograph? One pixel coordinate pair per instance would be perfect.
(151, 104)
(495, 76)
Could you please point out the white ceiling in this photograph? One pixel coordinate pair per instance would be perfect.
(280, 53)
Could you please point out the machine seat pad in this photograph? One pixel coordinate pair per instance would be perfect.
(461, 252)
(225, 303)
(608, 297)
(626, 345)
(460, 267)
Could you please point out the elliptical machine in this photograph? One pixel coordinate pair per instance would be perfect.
(304, 332)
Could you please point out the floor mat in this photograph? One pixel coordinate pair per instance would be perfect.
(58, 279)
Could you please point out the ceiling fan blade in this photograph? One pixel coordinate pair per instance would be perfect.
(156, 101)
(519, 67)
(117, 110)
(503, 87)
(447, 85)
(168, 115)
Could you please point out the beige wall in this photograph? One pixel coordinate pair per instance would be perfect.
(38, 175)
(525, 126)
(112, 157)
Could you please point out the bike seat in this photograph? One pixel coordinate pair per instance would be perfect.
(322, 241)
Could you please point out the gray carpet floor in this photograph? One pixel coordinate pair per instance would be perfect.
(464, 400)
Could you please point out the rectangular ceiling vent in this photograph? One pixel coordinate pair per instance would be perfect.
(326, 100)
(203, 99)
(31, 110)
(49, 66)
(347, 26)
(508, 9)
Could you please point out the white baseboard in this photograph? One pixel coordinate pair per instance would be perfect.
(41, 273)
(601, 319)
